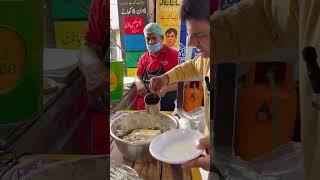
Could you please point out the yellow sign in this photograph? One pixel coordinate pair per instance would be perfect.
(69, 34)
(168, 17)
(131, 72)
(12, 58)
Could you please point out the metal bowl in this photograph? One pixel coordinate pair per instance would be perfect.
(138, 120)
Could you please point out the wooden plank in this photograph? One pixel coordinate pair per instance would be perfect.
(186, 174)
(175, 172)
(155, 170)
(179, 173)
(166, 172)
(149, 171)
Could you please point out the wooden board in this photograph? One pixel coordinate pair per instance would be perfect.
(154, 170)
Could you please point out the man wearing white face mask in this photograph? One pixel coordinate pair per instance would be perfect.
(158, 60)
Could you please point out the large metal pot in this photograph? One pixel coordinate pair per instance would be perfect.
(138, 120)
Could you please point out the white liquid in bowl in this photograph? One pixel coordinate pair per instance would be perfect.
(179, 150)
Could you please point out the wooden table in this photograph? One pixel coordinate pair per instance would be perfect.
(155, 170)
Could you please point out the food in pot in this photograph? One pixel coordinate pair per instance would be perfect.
(142, 135)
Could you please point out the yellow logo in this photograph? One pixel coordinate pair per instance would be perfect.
(113, 81)
(12, 58)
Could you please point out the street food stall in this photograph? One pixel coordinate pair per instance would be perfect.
(241, 149)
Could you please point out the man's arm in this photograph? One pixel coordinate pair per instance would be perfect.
(172, 87)
(169, 88)
(188, 71)
(256, 30)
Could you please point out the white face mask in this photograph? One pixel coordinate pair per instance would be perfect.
(154, 47)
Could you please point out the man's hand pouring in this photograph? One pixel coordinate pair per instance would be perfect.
(156, 83)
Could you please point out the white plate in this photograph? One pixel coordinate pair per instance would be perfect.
(176, 146)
